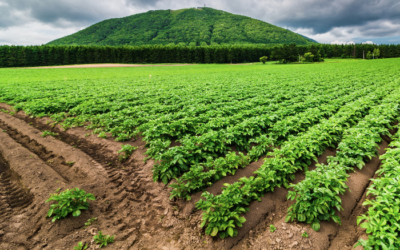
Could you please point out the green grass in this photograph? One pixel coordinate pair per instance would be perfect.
(55, 76)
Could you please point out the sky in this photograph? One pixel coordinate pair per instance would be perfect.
(35, 22)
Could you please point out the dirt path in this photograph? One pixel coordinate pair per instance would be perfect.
(107, 65)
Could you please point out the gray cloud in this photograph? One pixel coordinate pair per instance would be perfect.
(320, 15)
(341, 19)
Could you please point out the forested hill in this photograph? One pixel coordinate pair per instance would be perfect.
(189, 26)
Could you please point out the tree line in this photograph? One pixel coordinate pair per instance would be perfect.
(48, 55)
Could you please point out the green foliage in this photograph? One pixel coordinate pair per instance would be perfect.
(102, 239)
(184, 27)
(47, 133)
(304, 235)
(126, 151)
(70, 163)
(272, 228)
(382, 219)
(80, 246)
(376, 53)
(214, 53)
(317, 197)
(308, 57)
(201, 123)
(90, 221)
(102, 135)
(264, 59)
(278, 170)
(69, 201)
(369, 55)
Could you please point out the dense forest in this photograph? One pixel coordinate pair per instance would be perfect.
(205, 26)
(46, 55)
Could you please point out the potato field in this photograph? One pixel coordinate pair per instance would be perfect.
(248, 156)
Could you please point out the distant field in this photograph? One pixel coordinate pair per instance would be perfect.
(257, 127)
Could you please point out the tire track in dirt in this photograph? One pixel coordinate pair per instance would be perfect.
(138, 210)
(26, 180)
(13, 196)
(56, 162)
(5, 208)
(13, 193)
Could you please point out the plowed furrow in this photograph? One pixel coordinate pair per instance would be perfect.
(13, 196)
(108, 161)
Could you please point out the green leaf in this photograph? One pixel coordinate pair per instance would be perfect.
(315, 226)
(230, 231)
(214, 231)
(76, 213)
(165, 180)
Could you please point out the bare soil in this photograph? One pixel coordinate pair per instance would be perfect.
(130, 205)
(107, 65)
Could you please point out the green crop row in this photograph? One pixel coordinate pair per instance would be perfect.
(295, 154)
(382, 221)
(317, 197)
(196, 149)
(202, 175)
(201, 123)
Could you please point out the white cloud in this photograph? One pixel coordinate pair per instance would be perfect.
(368, 42)
(342, 42)
(34, 33)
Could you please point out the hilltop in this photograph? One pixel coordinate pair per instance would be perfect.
(195, 26)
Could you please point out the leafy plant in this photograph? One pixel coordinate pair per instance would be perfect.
(272, 228)
(90, 221)
(102, 135)
(278, 170)
(382, 219)
(70, 163)
(80, 246)
(317, 197)
(47, 133)
(126, 151)
(304, 235)
(102, 239)
(69, 201)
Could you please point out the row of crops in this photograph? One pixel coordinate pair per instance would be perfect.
(200, 126)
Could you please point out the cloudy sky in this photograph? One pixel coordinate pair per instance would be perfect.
(26, 22)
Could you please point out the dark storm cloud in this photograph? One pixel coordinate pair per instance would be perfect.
(60, 12)
(321, 15)
(342, 19)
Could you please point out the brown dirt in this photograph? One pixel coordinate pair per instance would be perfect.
(130, 205)
(106, 65)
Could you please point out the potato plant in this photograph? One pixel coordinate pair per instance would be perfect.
(317, 197)
(67, 202)
(126, 151)
(206, 121)
(382, 219)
